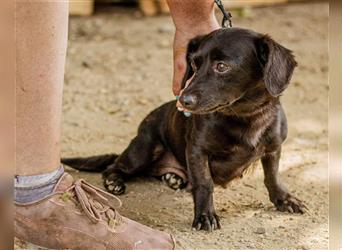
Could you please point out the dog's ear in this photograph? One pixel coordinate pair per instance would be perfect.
(278, 64)
(193, 45)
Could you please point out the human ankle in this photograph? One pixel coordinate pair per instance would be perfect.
(31, 188)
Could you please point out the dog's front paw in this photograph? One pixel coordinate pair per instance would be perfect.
(114, 184)
(207, 222)
(285, 202)
(173, 181)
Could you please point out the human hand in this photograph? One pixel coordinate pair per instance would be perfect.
(181, 40)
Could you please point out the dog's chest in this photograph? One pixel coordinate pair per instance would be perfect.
(236, 137)
(232, 146)
(234, 154)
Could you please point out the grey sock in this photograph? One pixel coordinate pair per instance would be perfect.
(35, 187)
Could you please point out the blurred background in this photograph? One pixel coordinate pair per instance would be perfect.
(119, 68)
(335, 125)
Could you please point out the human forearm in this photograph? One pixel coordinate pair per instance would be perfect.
(191, 18)
(193, 15)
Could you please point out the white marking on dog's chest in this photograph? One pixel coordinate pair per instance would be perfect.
(252, 136)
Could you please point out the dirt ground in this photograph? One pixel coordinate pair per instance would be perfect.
(119, 68)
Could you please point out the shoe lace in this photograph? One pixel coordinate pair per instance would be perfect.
(95, 203)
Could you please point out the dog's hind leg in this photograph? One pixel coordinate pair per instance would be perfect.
(173, 181)
(136, 159)
(170, 171)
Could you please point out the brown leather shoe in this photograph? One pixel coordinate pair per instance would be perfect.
(78, 215)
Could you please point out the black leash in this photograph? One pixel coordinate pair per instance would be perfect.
(226, 20)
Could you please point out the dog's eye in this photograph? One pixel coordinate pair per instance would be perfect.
(221, 67)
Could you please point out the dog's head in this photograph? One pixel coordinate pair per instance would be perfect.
(234, 69)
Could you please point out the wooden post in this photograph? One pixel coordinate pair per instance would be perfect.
(153, 7)
(81, 7)
(148, 7)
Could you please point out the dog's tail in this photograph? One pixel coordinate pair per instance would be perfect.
(90, 164)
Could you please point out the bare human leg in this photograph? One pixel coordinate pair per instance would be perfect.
(41, 34)
(51, 209)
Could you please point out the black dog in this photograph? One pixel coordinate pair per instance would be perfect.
(237, 76)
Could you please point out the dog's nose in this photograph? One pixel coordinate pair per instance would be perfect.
(188, 101)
